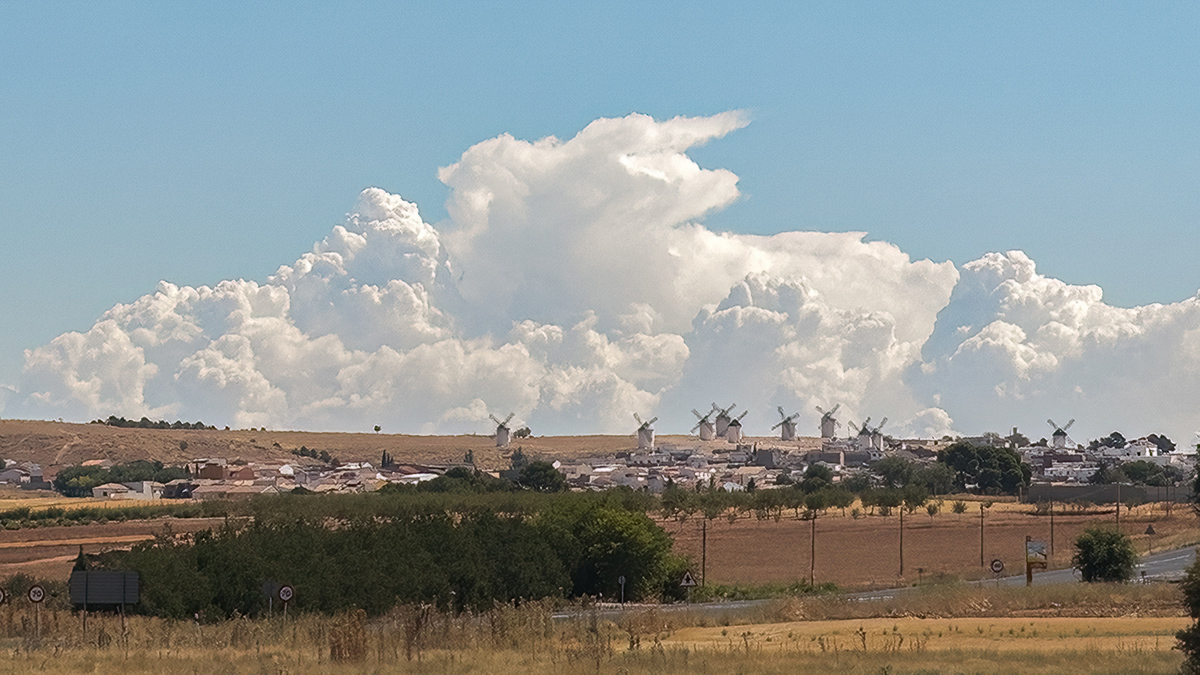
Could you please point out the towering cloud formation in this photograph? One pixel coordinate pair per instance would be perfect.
(1012, 342)
(574, 283)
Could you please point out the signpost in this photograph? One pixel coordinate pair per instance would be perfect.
(103, 587)
(621, 580)
(688, 582)
(981, 536)
(270, 589)
(1035, 558)
(1150, 537)
(36, 595)
(286, 593)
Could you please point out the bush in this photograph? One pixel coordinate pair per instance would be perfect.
(1189, 638)
(1104, 554)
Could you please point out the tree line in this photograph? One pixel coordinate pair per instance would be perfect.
(147, 423)
(471, 560)
(78, 481)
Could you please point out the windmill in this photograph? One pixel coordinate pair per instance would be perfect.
(502, 430)
(877, 435)
(733, 433)
(863, 433)
(829, 423)
(723, 418)
(1059, 437)
(704, 424)
(645, 433)
(787, 425)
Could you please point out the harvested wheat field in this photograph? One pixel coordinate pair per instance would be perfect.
(524, 641)
(49, 552)
(865, 552)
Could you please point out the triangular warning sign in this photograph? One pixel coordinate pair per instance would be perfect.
(688, 580)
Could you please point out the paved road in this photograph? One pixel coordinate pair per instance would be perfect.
(1165, 566)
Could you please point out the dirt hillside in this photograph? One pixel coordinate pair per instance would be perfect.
(58, 444)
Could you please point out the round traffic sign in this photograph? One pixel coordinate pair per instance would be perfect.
(2, 596)
(37, 594)
(997, 566)
(621, 580)
(286, 593)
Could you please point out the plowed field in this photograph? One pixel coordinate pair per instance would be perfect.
(866, 552)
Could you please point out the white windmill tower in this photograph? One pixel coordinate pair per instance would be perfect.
(723, 418)
(1059, 437)
(787, 425)
(733, 433)
(704, 424)
(645, 433)
(877, 435)
(829, 423)
(863, 432)
(503, 432)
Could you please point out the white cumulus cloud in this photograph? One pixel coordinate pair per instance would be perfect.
(575, 283)
(1016, 347)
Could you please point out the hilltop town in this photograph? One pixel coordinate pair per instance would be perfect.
(246, 463)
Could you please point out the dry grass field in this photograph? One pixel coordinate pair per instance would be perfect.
(527, 640)
(865, 552)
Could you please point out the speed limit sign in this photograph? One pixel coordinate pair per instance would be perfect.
(286, 593)
(37, 594)
(997, 566)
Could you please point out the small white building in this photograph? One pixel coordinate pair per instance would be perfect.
(110, 491)
(144, 490)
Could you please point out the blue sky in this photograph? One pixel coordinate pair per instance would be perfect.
(140, 141)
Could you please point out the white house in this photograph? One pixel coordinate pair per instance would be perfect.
(110, 491)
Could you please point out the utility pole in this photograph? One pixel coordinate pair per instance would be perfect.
(902, 540)
(812, 554)
(981, 535)
(1051, 528)
(1118, 505)
(703, 551)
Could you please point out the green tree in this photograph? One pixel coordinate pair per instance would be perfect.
(839, 498)
(817, 501)
(541, 476)
(914, 497)
(601, 544)
(937, 478)
(894, 472)
(1104, 554)
(990, 470)
(1107, 474)
(518, 459)
(816, 476)
(1189, 638)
